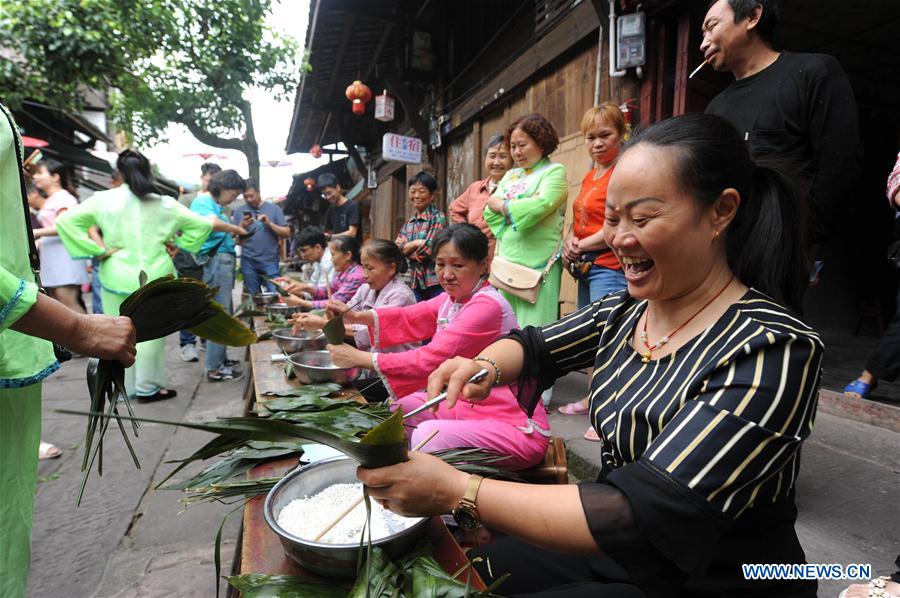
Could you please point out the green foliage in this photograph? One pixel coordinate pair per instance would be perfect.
(162, 61)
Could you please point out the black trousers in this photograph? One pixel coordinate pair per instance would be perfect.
(542, 573)
(372, 390)
(885, 363)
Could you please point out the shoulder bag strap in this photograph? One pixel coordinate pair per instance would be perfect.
(33, 257)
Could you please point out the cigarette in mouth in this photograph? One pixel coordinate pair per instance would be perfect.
(697, 70)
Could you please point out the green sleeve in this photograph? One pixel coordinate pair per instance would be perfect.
(496, 222)
(72, 227)
(552, 190)
(16, 298)
(195, 229)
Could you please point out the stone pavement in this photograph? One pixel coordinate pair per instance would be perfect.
(127, 540)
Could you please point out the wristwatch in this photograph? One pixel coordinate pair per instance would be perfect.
(466, 514)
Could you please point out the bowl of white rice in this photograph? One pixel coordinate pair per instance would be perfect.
(307, 499)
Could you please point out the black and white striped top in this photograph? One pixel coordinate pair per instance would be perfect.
(699, 437)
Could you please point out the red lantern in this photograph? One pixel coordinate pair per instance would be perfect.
(310, 183)
(316, 151)
(358, 93)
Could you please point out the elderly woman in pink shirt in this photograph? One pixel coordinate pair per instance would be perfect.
(469, 207)
(468, 316)
(382, 264)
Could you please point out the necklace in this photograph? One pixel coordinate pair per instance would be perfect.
(645, 356)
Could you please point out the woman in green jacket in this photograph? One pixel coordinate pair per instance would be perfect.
(526, 213)
(137, 225)
(28, 322)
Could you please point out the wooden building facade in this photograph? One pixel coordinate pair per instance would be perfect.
(461, 71)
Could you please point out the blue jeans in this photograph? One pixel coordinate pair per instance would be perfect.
(219, 272)
(598, 283)
(251, 269)
(96, 302)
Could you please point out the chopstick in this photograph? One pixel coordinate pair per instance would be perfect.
(481, 375)
(697, 70)
(357, 502)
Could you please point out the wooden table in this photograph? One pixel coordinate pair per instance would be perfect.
(261, 550)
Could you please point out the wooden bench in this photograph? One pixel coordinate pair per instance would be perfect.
(554, 469)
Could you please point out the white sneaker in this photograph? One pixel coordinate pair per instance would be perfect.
(189, 353)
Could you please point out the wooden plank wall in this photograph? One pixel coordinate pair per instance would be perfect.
(563, 95)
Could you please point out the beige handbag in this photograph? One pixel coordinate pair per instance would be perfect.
(518, 280)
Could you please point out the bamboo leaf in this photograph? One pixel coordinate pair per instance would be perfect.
(224, 329)
(334, 330)
(257, 585)
(369, 454)
(278, 288)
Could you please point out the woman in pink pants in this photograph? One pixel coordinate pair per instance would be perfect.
(468, 316)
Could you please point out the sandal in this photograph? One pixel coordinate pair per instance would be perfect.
(591, 435)
(876, 587)
(575, 408)
(860, 388)
(160, 395)
(48, 451)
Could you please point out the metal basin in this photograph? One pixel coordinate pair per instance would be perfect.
(282, 309)
(264, 298)
(311, 367)
(330, 560)
(302, 341)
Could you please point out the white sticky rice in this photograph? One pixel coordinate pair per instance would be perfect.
(306, 517)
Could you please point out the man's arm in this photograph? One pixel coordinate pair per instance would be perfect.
(350, 232)
(833, 135)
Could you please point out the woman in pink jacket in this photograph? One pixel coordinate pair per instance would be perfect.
(468, 316)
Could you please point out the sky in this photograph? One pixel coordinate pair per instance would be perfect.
(271, 121)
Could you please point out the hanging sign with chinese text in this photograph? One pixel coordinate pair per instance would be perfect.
(401, 148)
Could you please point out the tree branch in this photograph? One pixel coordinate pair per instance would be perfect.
(208, 138)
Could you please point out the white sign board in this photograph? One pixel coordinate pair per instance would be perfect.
(401, 148)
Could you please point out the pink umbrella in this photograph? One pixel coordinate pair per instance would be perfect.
(277, 163)
(33, 142)
(205, 156)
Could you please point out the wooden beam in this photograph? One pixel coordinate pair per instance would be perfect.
(382, 42)
(682, 59)
(579, 23)
(339, 58)
(409, 106)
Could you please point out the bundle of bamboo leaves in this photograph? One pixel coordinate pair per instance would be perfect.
(416, 575)
(157, 309)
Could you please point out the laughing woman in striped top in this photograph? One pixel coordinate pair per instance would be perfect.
(703, 391)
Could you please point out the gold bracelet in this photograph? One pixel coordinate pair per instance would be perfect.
(495, 366)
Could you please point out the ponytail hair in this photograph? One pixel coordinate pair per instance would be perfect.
(765, 242)
(58, 168)
(347, 244)
(135, 170)
(386, 252)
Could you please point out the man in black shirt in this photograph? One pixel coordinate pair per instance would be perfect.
(796, 108)
(342, 216)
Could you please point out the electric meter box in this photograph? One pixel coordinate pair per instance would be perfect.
(631, 40)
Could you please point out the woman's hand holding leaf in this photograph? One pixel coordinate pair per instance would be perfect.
(454, 374)
(297, 288)
(105, 337)
(295, 301)
(308, 322)
(423, 486)
(345, 356)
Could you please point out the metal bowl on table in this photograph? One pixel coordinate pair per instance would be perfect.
(330, 560)
(264, 298)
(302, 341)
(283, 309)
(312, 367)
